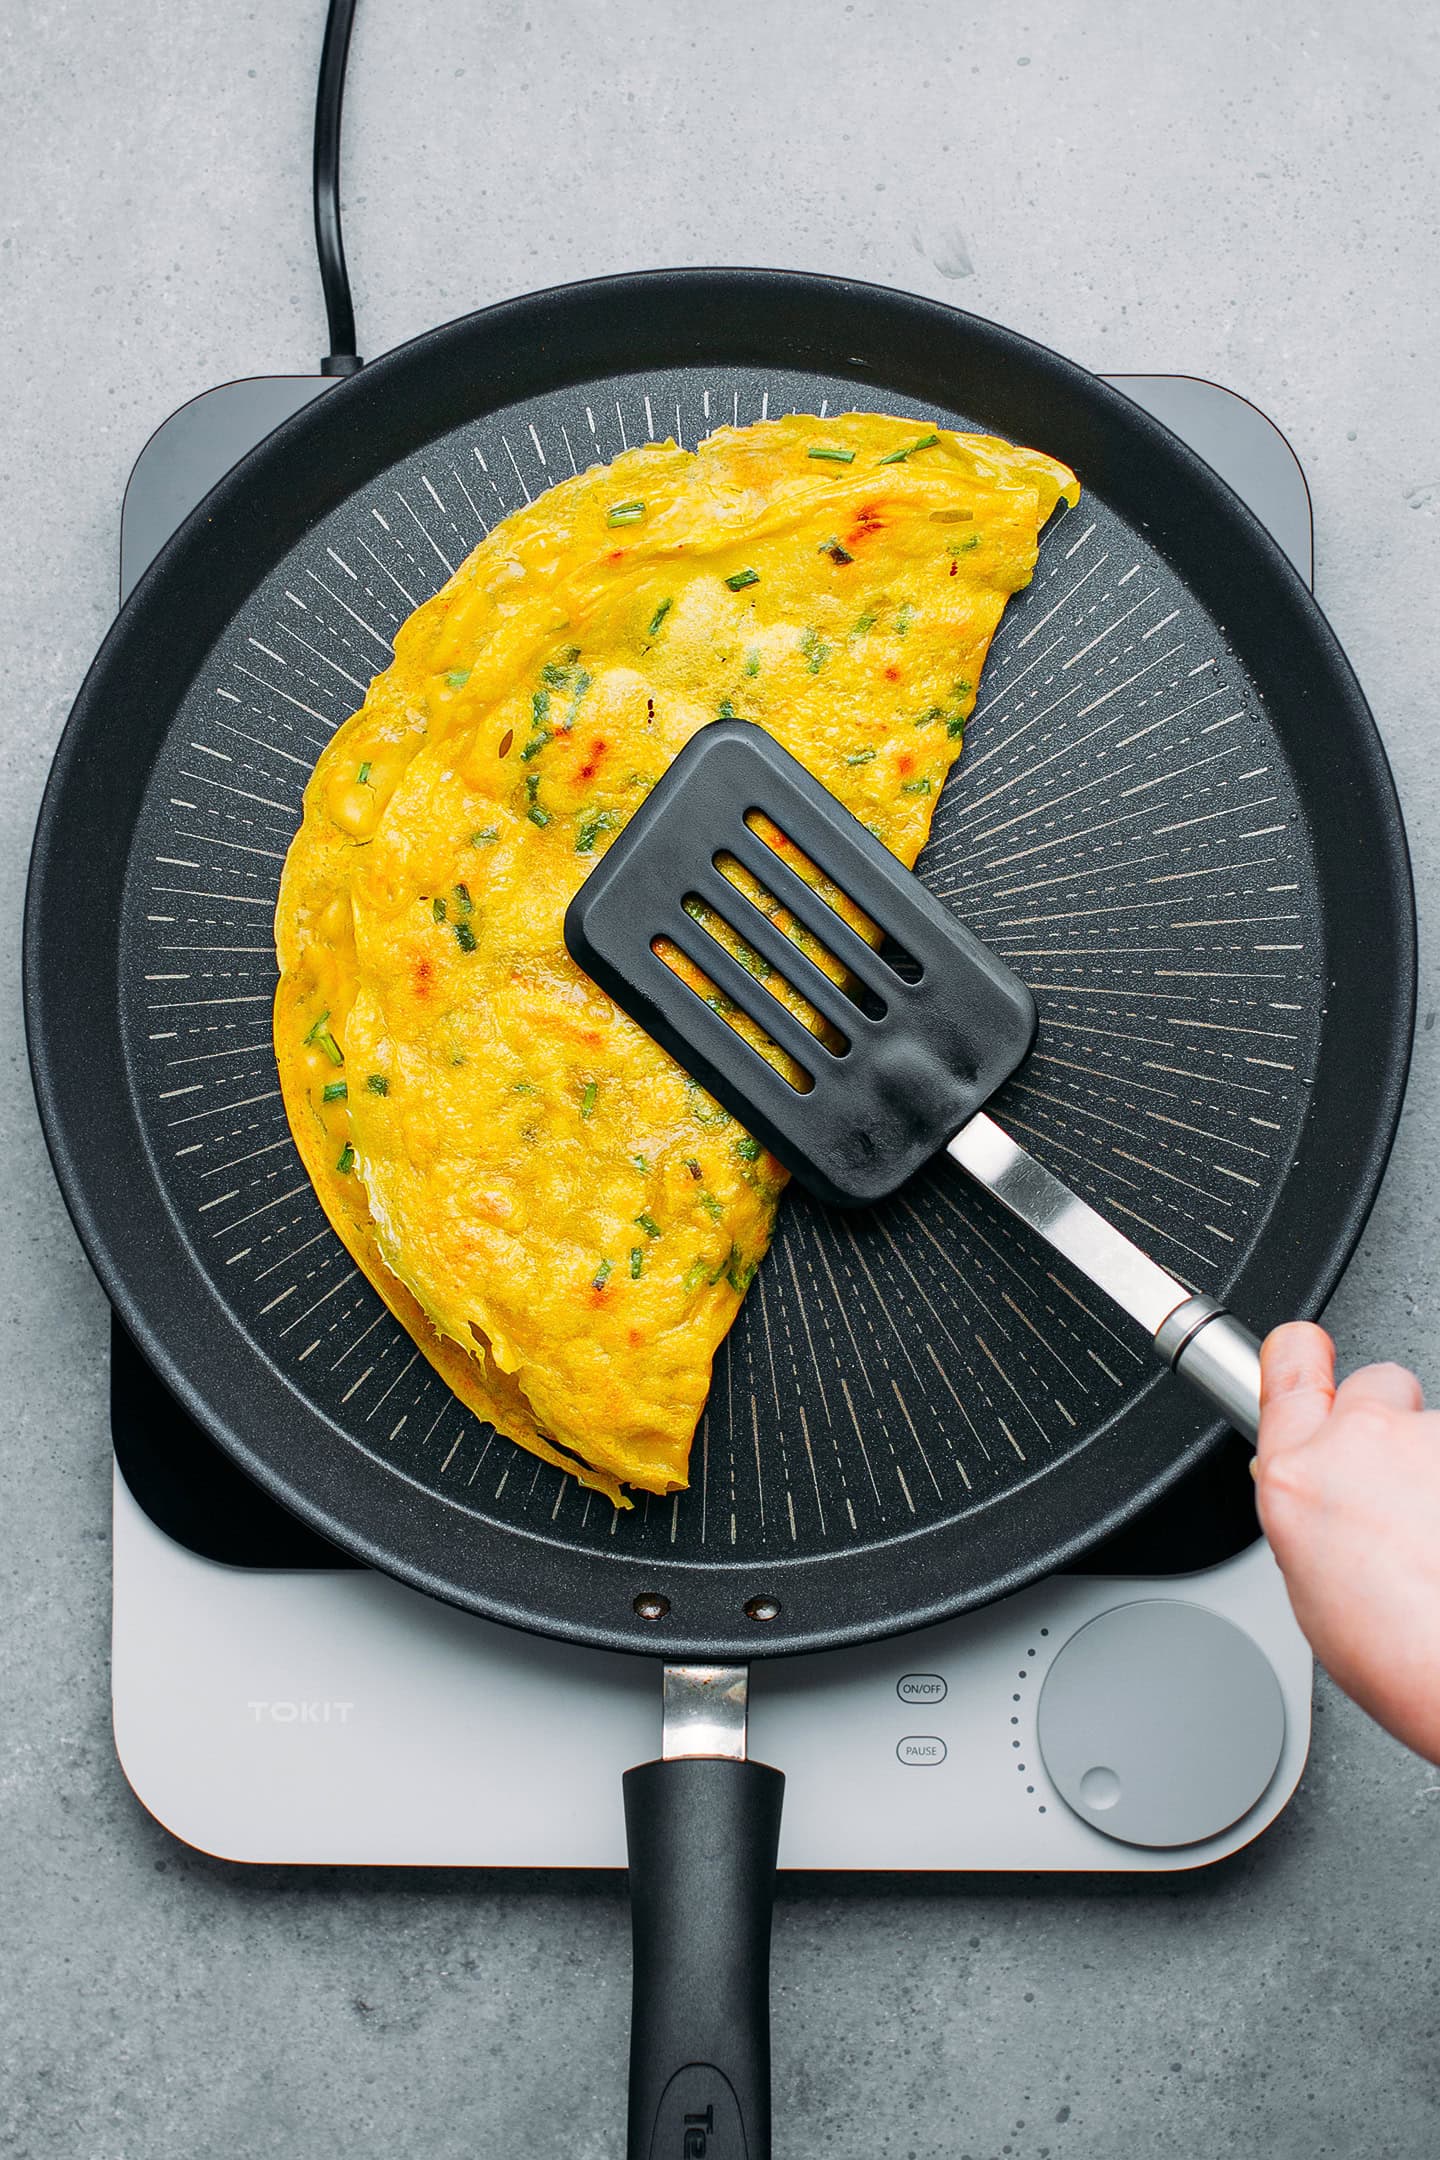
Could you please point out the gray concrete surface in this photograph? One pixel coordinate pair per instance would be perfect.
(1241, 190)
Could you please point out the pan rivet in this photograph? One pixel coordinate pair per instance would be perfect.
(651, 1606)
(762, 1608)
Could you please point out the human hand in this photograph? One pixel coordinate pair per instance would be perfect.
(1348, 1483)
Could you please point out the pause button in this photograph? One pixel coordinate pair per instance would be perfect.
(921, 1750)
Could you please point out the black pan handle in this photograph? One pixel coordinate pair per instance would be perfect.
(702, 1836)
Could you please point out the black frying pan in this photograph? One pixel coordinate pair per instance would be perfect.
(1174, 819)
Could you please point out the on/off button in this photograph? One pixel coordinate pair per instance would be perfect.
(921, 1687)
(921, 1750)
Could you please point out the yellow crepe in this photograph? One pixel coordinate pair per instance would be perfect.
(565, 1222)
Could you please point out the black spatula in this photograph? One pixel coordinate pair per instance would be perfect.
(921, 1034)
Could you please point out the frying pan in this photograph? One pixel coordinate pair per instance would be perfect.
(1174, 819)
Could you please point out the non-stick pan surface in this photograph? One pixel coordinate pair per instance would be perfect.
(1173, 818)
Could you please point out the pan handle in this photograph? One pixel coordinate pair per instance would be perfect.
(702, 1834)
(1211, 1349)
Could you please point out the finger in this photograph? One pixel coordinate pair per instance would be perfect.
(1390, 1387)
(1297, 1385)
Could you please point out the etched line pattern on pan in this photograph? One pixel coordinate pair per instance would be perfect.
(1122, 828)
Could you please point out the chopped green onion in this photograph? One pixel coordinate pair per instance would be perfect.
(601, 1275)
(637, 1261)
(334, 1091)
(748, 1149)
(960, 687)
(725, 710)
(898, 457)
(626, 513)
(835, 551)
(917, 787)
(741, 579)
(648, 1224)
(658, 617)
(740, 1273)
(816, 653)
(835, 457)
(537, 816)
(582, 683)
(345, 1160)
(539, 706)
(438, 909)
(861, 757)
(464, 937)
(377, 1083)
(711, 1205)
(863, 623)
(752, 662)
(587, 1100)
(641, 1165)
(955, 726)
(486, 836)
(363, 776)
(556, 676)
(695, 1274)
(536, 744)
(322, 1039)
(463, 903)
(590, 828)
(457, 677)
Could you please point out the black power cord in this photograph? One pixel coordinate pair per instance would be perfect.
(342, 358)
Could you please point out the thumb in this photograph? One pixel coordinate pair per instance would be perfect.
(1297, 1386)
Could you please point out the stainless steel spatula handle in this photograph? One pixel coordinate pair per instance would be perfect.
(1192, 1335)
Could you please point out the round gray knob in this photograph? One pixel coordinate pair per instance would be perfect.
(1161, 1723)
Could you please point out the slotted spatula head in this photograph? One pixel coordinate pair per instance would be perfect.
(916, 1039)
